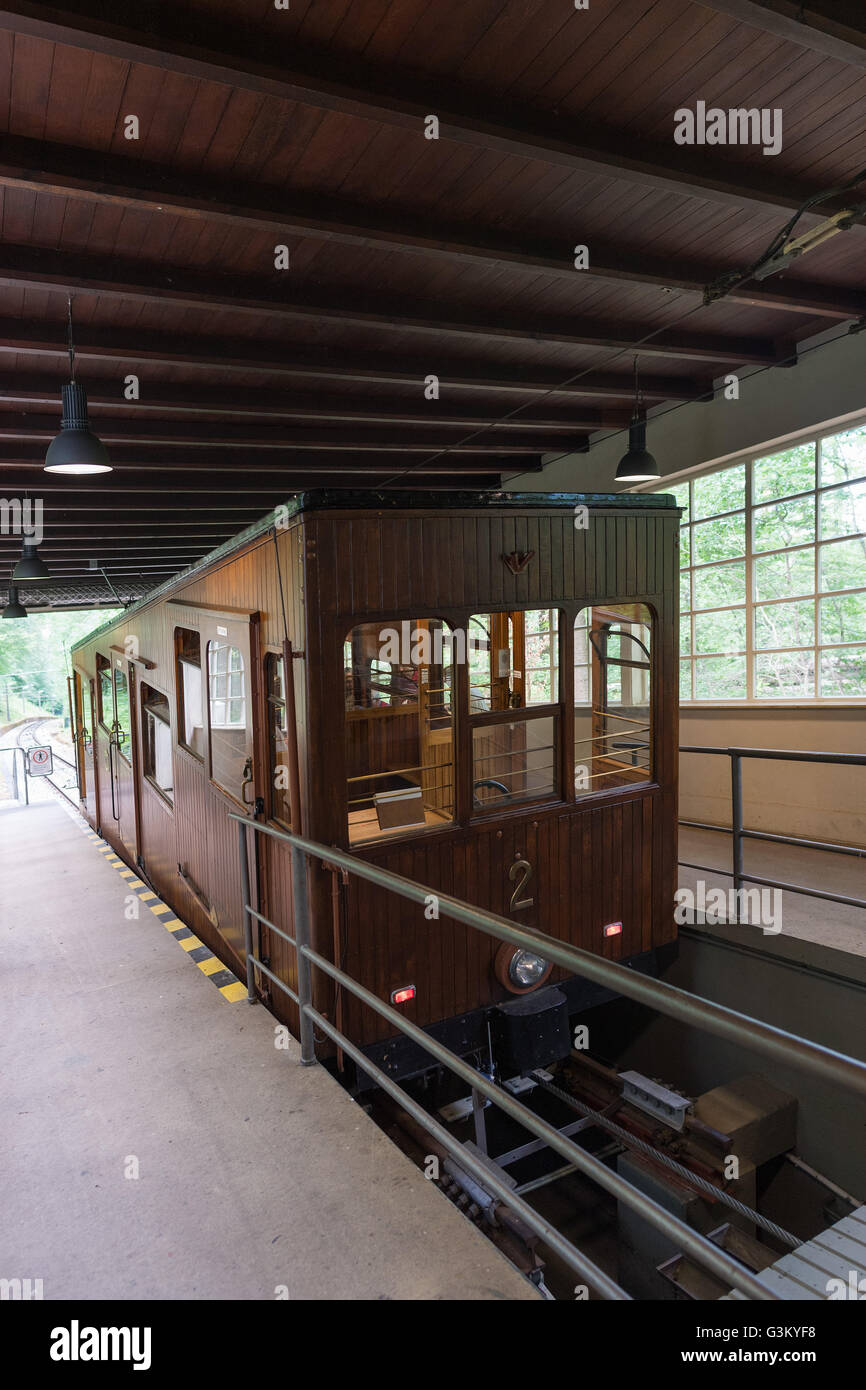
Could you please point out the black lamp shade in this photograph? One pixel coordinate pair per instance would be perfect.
(638, 465)
(76, 448)
(29, 567)
(13, 609)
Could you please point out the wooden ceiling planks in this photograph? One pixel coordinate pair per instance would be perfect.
(408, 256)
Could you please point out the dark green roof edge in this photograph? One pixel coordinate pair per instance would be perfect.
(325, 499)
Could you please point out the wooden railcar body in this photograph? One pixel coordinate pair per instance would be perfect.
(288, 609)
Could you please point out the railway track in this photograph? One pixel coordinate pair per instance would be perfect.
(29, 736)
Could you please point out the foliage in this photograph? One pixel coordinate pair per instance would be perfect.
(34, 660)
(805, 580)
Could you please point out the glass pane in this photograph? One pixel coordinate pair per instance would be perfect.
(720, 678)
(230, 739)
(779, 475)
(785, 624)
(541, 657)
(106, 699)
(685, 590)
(782, 576)
(513, 659)
(842, 511)
(681, 493)
(720, 586)
(513, 762)
(843, 618)
(784, 524)
(722, 539)
(685, 680)
(784, 675)
(121, 695)
(843, 672)
(192, 711)
(156, 731)
(721, 632)
(685, 636)
(720, 492)
(685, 545)
(612, 647)
(843, 456)
(842, 565)
(399, 727)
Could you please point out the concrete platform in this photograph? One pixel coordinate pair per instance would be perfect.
(254, 1173)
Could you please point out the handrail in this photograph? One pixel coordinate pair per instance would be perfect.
(666, 998)
(739, 832)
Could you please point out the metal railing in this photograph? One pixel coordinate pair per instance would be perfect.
(739, 832)
(15, 749)
(715, 1018)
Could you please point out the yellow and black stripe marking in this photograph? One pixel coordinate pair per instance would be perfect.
(228, 984)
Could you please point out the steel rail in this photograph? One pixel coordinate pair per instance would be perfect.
(718, 1261)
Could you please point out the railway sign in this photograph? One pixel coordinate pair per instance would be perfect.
(40, 762)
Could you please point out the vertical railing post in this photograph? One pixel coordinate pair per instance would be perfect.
(301, 904)
(737, 827)
(248, 921)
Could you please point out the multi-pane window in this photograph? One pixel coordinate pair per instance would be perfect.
(156, 741)
(399, 727)
(190, 712)
(773, 577)
(514, 666)
(612, 697)
(230, 743)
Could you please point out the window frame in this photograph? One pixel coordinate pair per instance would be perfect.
(102, 665)
(814, 548)
(146, 714)
(359, 712)
(180, 708)
(518, 714)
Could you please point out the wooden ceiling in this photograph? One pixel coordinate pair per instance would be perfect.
(408, 257)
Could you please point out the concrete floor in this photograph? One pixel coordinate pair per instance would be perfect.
(808, 919)
(254, 1173)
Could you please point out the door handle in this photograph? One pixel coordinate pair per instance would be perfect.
(111, 778)
(247, 782)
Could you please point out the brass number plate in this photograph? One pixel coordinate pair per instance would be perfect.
(521, 870)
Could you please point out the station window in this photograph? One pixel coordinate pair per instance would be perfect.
(121, 712)
(278, 741)
(612, 697)
(156, 741)
(399, 727)
(190, 716)
(104, 693)
(230, 741)
(514, 665)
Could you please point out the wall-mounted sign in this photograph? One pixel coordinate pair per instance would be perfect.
(40, 762)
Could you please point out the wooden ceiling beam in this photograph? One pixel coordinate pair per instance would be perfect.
(253, 357)
(132, 439)
(165, 400)
(235, 59)
(820, 28)
(27, 267)
(109, 180)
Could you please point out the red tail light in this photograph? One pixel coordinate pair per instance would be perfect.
(403, 995)
(613, 929)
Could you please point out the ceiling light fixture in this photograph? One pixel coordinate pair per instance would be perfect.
(638, 464)
(13, 608)
(30, 566)
(76, 448)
